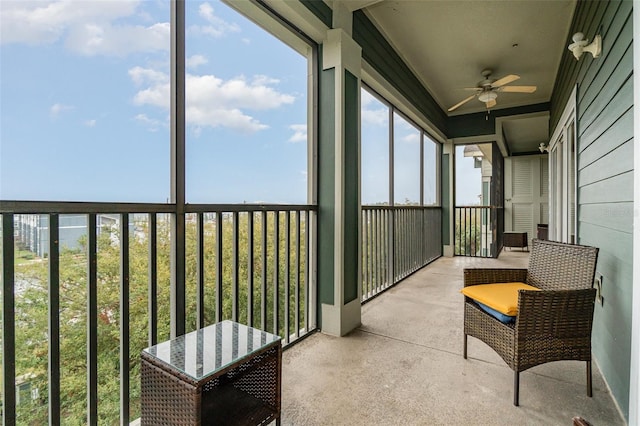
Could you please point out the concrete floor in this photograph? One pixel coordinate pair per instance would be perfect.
(404, 366)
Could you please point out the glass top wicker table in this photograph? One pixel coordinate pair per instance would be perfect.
(223, 374)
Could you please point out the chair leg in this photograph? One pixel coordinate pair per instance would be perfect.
(589, 381)
(464, 347)
(516, 388)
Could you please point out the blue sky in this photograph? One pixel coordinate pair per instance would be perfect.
(375, 157)
(468, 180)
(84, 109)
(85, 98)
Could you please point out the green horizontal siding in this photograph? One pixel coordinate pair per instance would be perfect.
(377, 51)
(614, 216)
(321, 10)
(593, 126)
(616, 189)
(613, 163)
(619, 133)
(605, 149)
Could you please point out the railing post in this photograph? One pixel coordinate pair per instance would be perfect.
(200, 271)
(92, 320)
(8, 321)
(153, 279)
(124, 318)
(54, 320)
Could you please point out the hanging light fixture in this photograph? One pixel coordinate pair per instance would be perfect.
(487, 96)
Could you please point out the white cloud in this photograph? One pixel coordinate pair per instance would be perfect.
(157, 95)
(373, 111)
(206, 12)
(211, 101)
(216, 117)
(141, 76)
(237, 91)
(377, 117)
(109, 40)
(196, 60)
(300, 133)
(260, 80)
(151, 123)
(57, 108)
(90, 123)
(217, 27)
(86, 27)
(402, 124)
(411, 138)
(367, 98)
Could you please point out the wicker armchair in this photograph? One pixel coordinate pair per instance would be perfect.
(553, 324)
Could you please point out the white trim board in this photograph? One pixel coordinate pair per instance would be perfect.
(634, 379)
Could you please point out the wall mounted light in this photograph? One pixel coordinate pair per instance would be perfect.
(543, 148)
(581, 45)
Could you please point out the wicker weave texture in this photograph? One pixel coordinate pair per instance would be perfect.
(492, 275)
(500, 337)
(167, 399)
(559, 266)
(553, 326)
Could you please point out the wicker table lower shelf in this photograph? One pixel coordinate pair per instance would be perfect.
(232, 403)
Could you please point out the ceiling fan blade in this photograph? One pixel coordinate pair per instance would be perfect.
(491, 103)
(505, 80)
(475, 89)
(519, 89)
(464, 101)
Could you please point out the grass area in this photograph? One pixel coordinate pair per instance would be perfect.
(22, 256)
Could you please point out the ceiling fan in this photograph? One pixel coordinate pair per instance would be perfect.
(487, 89)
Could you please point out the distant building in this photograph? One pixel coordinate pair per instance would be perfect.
(32, 231)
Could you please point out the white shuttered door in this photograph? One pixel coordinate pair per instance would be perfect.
(526, 193)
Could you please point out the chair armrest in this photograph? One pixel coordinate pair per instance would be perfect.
(476, 276)
(555, 313)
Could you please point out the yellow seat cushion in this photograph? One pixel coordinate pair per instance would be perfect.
(502, 297)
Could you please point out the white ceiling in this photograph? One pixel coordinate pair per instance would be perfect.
(447, 44)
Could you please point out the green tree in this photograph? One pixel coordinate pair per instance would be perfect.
(32, 305)
(468, 233)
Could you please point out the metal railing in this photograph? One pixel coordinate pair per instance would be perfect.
(397, 241)
(476, 231)
(81, 278)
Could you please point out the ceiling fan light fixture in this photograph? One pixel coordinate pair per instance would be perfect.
(487, 96)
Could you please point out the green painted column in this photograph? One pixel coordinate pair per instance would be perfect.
(339, 278)
(448, 213)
